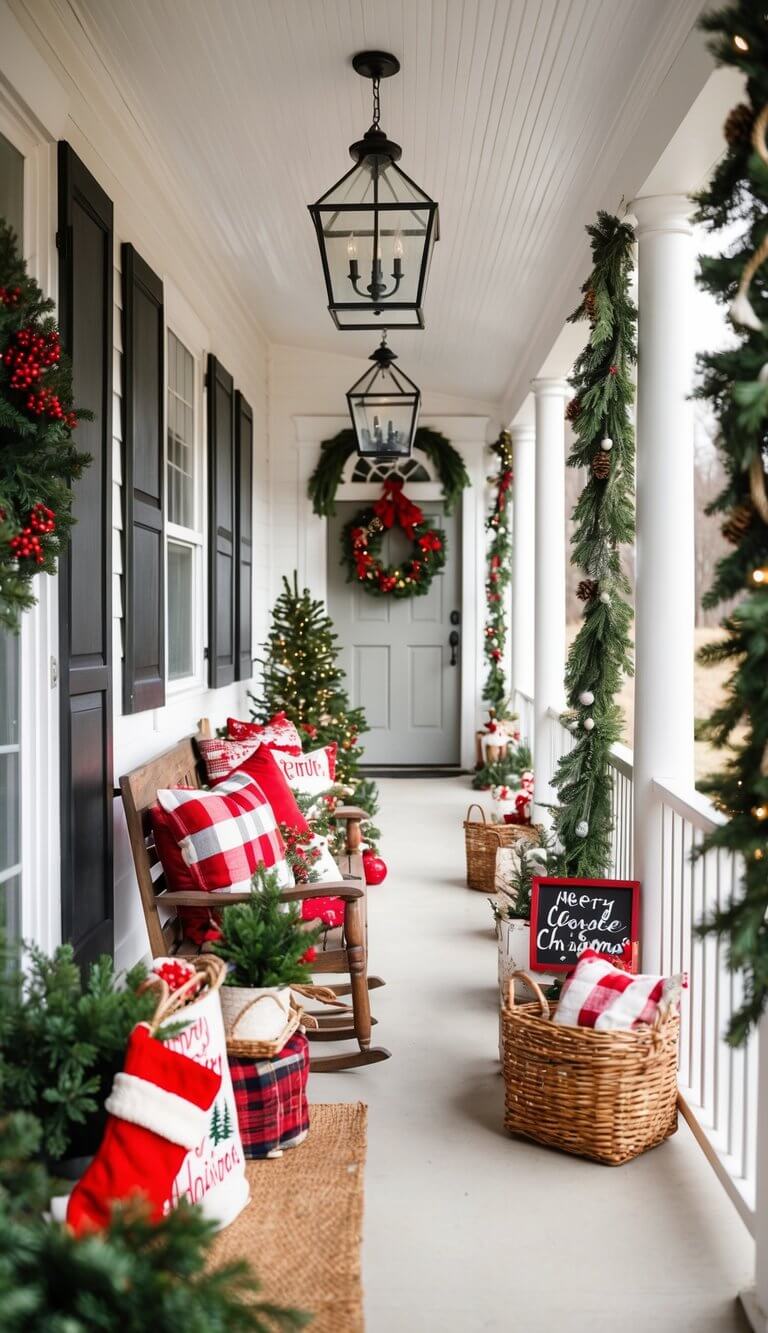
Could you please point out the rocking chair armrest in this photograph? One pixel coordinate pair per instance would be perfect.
(308, 891)
(196, 898)
(350, 812)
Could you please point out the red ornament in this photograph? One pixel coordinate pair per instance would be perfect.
(374, 867)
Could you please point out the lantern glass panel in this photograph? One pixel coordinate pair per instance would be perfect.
(376, 231)
(382, 425)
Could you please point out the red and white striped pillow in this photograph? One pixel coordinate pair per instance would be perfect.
(599, 995)
(223, 835)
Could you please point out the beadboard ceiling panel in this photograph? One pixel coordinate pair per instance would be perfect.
(513, 114)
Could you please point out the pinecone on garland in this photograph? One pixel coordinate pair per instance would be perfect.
(737, 523)
(587, 590)
(738, 125)
(590, 304)
(601, 465)
(573, 407)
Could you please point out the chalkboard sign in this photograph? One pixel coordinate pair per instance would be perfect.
(570, 915)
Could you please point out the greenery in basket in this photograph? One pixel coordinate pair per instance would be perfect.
(265, 941)
(134, 1274)
(534, 858)
(503, 772)
(62, 1039)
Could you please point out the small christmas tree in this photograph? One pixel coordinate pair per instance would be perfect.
(214, 1128)
(302, 677)
(37, 457)
(603, 520)
(734, 381)
(265, 940)
(226, 1123)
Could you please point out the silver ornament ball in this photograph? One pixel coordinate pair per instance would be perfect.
(586, 698)
(606, 443)
(582, 828)
(588, 723)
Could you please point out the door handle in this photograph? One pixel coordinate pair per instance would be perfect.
(453, 640)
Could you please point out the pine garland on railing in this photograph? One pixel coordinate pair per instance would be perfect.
(735, 382)
(497, 581)
(603, 521)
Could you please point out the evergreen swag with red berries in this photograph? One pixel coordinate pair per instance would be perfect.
(498, 577)
(37, 457)
(362, 538)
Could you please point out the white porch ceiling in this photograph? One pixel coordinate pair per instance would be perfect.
(514, 114)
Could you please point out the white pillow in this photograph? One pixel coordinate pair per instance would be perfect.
(311, 773)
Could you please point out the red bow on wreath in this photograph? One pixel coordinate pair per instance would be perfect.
(395, 508)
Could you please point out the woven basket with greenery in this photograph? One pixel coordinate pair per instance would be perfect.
(482, 840)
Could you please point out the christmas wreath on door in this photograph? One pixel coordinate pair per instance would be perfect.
(363, 536)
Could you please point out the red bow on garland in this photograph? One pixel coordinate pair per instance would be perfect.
(395, 508)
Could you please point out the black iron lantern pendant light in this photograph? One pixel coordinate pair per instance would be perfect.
(384, 407)
(376, 228)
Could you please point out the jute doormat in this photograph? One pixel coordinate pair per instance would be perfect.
(302, 1229)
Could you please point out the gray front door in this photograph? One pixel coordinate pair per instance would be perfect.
(396, 652)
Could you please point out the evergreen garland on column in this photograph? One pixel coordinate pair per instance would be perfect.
(498, 578)
(735, 382)
(603, 521)
(301, 677)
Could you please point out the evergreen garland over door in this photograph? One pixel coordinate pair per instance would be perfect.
(86, 261)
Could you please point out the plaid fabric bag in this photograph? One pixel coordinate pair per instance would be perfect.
(271, 1099)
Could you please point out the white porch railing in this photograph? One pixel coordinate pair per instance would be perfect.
(718, 1085)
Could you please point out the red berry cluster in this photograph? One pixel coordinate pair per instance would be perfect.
(47, 403)
(10, 296)
(29, 355)
(26, 545)
(175, 972)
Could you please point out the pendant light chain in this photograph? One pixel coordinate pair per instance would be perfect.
(376, 103)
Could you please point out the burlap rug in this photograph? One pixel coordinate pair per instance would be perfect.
(302, 1229)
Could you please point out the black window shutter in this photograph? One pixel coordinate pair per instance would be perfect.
(244, 514)
(144, 485)
(86, 267)
(221, 526)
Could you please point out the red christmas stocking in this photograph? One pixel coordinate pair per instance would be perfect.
(157, 1113)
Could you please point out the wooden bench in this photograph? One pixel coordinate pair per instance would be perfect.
(182, 767)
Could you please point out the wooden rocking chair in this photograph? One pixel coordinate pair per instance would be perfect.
(182, 767)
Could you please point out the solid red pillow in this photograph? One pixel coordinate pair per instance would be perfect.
(198, 922)
(262, 766)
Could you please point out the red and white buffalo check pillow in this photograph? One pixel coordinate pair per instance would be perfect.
(223, 835)
(599, 995)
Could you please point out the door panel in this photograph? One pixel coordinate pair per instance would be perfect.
(396, 653)
(86, 265)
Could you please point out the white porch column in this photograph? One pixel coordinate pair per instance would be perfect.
(665, 587)
(523, 556)
(549, 577)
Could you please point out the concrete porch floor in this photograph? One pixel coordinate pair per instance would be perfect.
(467, 1229)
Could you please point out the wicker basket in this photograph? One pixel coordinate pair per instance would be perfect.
(608, 1096)
(482, 840)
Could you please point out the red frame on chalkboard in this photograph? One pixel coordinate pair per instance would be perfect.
(563, 882)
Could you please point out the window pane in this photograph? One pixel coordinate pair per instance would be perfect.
(181, 434)
(9, 810)
(180, 614)
(9, 689)
(10, 907)
(11, 185)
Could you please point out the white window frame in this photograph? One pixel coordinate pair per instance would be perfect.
(183, 323)
(34, 134)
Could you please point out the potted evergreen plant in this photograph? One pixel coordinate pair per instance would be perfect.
(512, 906)
(268, 948)
(62, 1039)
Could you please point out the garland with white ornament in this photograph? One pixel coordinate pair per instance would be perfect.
(498, 578)
(604, 445)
